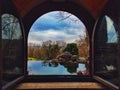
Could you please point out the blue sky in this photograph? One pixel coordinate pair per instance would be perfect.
(112, 34)
(50, 27)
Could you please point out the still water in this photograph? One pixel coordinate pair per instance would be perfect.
(42, 68)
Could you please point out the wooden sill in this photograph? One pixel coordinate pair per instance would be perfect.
(60, 85)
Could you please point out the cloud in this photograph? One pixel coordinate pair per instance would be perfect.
(48, 27)
(39, 36)
(51, 20)
(48, 21)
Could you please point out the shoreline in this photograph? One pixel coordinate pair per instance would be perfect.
(61, 61)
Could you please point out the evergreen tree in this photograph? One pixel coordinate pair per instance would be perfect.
(72, 48)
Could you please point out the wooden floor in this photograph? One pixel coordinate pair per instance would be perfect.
(60, 85)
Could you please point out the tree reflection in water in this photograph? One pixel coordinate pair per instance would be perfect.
(71, 67)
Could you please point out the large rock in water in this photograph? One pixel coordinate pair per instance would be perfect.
(67, 56)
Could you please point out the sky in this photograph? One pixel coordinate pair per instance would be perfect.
(111, 32)
(50, 26)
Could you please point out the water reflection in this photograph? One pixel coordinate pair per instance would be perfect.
(71, 68)
(56, 68)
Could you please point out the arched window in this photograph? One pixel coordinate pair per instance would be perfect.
(105, 56)
(12, 47)
(58, 44)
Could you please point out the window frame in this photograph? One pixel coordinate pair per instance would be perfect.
(0, 48)
(9, 8)
(63, 75)
(73, 8)
(112, 12)
(98, 78)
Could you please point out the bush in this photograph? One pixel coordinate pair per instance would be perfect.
(72, 48)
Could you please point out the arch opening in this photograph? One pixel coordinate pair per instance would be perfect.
(58, 44)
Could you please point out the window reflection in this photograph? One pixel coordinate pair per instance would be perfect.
(106, 40)
(111, 32)
(11, 48)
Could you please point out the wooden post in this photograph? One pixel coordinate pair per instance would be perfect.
(0, 48)
(118, 55)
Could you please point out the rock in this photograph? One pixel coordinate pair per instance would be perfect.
(65, 56)
(80, 73)
(74, 57)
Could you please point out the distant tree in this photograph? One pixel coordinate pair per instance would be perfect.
(72, 48)
(37, 53)
(44, 53)
(83, 46)
(52, 51)
(30, 51)
(55, 50)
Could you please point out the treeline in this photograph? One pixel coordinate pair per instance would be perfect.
(44, 53)
(52, 51)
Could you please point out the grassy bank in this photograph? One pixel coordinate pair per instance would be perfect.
(33, 59)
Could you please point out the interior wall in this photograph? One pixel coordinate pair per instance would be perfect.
(93, 6)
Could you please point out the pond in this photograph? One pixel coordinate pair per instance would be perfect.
(53, 68)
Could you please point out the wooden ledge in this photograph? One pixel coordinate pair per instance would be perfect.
(60, 85)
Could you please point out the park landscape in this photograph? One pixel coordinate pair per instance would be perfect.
(64, 49)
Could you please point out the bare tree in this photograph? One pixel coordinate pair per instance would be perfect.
(67, 16)
(9, 26)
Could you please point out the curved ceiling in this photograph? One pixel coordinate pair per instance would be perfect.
(93, 6)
